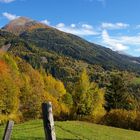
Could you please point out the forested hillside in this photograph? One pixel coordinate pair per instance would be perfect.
(83, 80)
(23, 90)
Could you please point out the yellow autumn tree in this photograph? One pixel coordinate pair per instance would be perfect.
(9, 90)
(32, 91)
(88, 98)
(54, 87)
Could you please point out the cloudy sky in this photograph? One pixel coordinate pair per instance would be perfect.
(111, 23)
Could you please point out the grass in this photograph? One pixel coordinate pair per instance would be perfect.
(71, 130)
(136, 81)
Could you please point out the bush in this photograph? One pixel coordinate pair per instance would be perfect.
(3, 119)
(15, 117)
(137, 122)
(121, 118)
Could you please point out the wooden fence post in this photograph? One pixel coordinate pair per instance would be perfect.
(48, 121)
(8, 130)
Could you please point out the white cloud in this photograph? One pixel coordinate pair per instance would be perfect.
(73, 25)
(81, 30)
(86, 26)
(133, 40)
(121, 43)
(111, 26)
(114, 44)
(10, 16)
(60, 25)
(45, 22)
(6, 1)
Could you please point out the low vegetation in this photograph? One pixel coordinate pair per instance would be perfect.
(71, 130)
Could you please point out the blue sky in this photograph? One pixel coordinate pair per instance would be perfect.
(112, 23)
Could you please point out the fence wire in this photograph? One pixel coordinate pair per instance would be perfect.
(27, 128)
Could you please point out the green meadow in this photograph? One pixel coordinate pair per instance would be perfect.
(71, 130)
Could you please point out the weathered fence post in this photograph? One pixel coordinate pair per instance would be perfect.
(8, 130)
(48, 121)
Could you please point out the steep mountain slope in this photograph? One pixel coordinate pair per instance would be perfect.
(60, 52)
(62, 67)
(77, 48)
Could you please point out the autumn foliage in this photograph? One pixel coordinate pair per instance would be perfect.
(23, 90)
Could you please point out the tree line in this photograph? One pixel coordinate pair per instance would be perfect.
(112, 99)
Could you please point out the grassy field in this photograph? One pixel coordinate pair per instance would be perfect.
(71, 130)
(136, 81)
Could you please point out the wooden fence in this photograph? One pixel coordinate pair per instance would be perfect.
(48, 122)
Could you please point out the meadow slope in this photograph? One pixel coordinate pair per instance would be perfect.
(71, 130)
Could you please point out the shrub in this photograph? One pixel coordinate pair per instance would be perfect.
(121, 118)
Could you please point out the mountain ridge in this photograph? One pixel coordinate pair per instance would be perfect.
(23, 24)
(62, 54)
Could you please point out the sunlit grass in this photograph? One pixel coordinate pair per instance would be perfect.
(71, 130)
